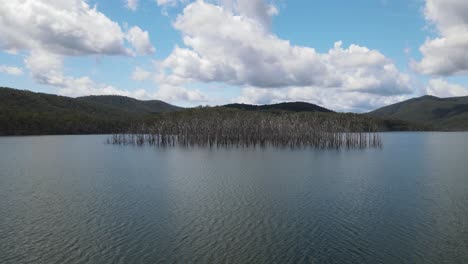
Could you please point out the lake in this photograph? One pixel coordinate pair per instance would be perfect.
(75, 199)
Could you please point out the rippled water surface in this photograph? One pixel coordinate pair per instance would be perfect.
(74, 199)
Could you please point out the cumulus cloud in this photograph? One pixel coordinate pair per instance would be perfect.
(180, 94)
(46, 68)
(11, 70)
(75, 87)
(69, 28)
(335, 99)
(132, 4)
(259, 10)
(441, 88)
(140, 40)
(446, 54)
(61, 27)
(140, 74)
(222, 45)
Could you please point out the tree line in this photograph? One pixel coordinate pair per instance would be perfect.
(222, 127)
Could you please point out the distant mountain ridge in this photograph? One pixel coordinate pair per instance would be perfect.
(26, 113)
(289, 106)
(450, 114)
(29, 113)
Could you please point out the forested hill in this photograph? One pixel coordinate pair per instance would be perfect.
(292, 107)
(449, 114)
(28, 113)
(130, 104)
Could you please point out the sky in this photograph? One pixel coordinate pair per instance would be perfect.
(349, 56)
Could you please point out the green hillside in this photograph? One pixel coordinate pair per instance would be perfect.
(29, 113)
(448, 114)
(130, 104)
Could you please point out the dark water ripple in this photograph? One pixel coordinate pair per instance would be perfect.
(75, 200)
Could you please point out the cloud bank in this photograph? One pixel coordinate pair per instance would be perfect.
(231, 43)
(442, 88)
(446, 54)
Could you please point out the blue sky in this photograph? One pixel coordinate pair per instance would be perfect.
(344, 55)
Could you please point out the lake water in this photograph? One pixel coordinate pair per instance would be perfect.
(74, 199)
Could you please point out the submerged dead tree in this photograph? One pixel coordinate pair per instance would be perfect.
(215, 127)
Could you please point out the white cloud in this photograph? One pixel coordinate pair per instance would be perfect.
(61, 27)
(360, 69)
(259, 10)
(334, 99)
(66, 27)
(46, 68)
(140, 74)
(180, 94)
(11, 70)
(140, 40)
(132, 4)
(441, 88)
(76, 87)
(446, 54)
(228, 47)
